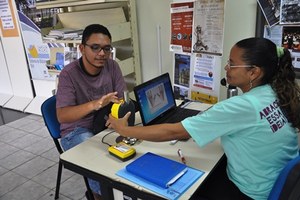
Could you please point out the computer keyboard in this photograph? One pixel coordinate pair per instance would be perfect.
(181, 114)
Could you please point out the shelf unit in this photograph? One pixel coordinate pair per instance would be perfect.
(70, 3)
(118, 16)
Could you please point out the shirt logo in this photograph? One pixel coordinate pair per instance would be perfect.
(274, 116)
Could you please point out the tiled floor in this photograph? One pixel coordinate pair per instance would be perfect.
(29, 162)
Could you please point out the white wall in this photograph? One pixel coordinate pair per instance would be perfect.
(150, 15)
(240, 19)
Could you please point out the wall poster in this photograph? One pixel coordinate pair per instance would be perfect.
(208, 27)
(182, 75)
(290, 12)
(37, 52)
(197, 30)
(8, 24)
(181, 26)
(203, 76)
(271, 10)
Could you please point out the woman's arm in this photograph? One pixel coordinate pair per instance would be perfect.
(158, 133)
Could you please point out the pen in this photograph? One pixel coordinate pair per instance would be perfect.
(181, 156)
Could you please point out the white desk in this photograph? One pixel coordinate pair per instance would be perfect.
(92, 159)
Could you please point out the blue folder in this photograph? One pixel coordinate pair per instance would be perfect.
(157, 169)
(173, 191)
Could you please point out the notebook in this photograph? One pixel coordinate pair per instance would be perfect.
(156, 102)
(157, 169)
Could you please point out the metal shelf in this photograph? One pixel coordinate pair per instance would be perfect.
(123, 27)
(70, 3)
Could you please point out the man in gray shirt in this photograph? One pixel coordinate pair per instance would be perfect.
(86, 86)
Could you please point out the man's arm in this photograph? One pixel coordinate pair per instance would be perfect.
(73, 113)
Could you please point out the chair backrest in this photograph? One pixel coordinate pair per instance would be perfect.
(287, 184)
(48, 110)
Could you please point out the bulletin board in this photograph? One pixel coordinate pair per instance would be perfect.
(279, 21)
(197, 30)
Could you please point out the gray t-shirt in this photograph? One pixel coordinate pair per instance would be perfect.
(76, 87)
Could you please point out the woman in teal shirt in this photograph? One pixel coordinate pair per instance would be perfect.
(258, 129)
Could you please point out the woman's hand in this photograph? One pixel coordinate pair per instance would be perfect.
(117, 124)
(105, 100)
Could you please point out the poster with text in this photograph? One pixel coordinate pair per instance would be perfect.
(8, 24)
(203, 76)
(181, 26)
(182, 69)
(37, 52)
(182, 75)
(208, 27)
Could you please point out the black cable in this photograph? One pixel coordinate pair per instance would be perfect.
(105, 136)
(111, 133)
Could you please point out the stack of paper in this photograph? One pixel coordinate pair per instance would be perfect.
(65, 33)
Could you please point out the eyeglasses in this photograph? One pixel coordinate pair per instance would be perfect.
(96, 48)
(229, 66)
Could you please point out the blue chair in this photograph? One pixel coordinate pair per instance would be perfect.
(287, 185)
(48, 110)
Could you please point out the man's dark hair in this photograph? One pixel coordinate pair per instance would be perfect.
(94, 28)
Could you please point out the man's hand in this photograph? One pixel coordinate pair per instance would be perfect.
(73, 113)
(117, 124)
(106, 99)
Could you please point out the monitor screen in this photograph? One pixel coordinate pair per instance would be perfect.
(155, 97)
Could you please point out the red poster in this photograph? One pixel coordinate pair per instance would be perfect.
(181, 26)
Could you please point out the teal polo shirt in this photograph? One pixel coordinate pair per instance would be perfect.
(256, 137)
